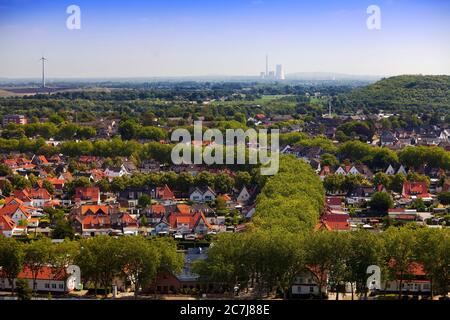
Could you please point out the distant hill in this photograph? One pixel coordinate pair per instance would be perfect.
(413, 93)
(329, 76)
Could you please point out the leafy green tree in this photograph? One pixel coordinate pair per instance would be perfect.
(63, 229)
(329, 159)
(20, 182)
(319, 252)
(100, 260)
(381, 202)
(64, 254)
(11, 259)
(400, 248)
(444, 198)
(185, 181)
(5, 170)
(221, 206)
(48, 186)
(223, 183)
(140, 261)
(37, 256)
(433, 252)
(145, 200)
(366, 249)
(128, 129)
(334, 183)
(381, 178)
(204, 179)
(397, 181)
(23, 291)
(419, 205)
(242, 179)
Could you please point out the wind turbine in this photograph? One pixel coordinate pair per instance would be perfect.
(43, 59)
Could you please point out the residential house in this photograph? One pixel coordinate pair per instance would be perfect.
(402, 214)
(48, 279)
(414, 190)
(243, 196)
(40, 161)
(16, 212)
(87, 195)
(115, 172)
(7, 226)
(360, 194)
(163, 194)
(414, 281)
(387, 138)
(202, 194)
(166, 282)
(92, 225)
(130, 196)
(38, 197)
(334, 222)
(306, 285)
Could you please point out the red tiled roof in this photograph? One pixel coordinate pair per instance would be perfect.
(43, 160)
(414, 269)
(55, 181)
(95, 209)
(164, 193)
(95, 222)
(158, 209)
(46, 273)
(418, 189)
(13, 200)
(333, 201)
(87, 193)
(128, 220)
(10, 209)
(6, 224)
(183, 208)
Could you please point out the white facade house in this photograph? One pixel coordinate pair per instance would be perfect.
(49, 279)
(402, 170)
(415, 286)
(243, 196)
(202, 195)
(305, 284)
(390, 170)
(116, 172)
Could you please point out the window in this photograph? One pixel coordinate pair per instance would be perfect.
(311, 289)
(54, 285)
(61, 286)
(47, 285)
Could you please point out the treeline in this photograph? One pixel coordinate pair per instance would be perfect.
(269, 262)
(292, 199)
(221, 182)
(47, 130)
(100, 259)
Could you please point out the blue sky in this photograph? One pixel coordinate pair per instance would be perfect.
(177, 38)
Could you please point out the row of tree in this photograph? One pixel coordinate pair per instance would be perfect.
(47, 130)
(270, 261)
(100, 258)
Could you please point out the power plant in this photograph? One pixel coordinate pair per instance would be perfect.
(278, 74)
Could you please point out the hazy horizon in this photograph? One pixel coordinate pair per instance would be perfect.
(169, 39)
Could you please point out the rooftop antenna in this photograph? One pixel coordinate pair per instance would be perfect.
(43, 59)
